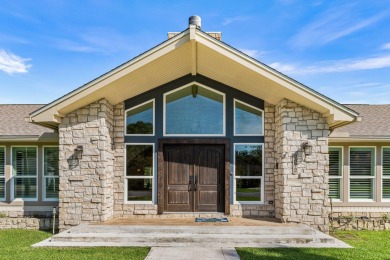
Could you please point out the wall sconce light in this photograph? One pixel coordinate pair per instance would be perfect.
(78, 152)
(306, 147)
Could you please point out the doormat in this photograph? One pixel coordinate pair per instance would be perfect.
(211, 220)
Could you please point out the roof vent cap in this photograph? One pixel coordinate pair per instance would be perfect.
(195, 20)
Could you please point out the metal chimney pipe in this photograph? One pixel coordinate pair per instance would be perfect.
(195, 20)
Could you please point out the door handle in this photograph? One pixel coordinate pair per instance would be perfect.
(190, 183)
(196, 183)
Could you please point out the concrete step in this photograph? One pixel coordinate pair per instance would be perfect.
(200, 236)
(125, 229)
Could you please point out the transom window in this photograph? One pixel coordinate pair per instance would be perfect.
(2, 173)
(248, 120)
(362, 173)
(24, 171)
(248, 173)
(335, 172)
(139, 172)
(140, 119)
(194, 110)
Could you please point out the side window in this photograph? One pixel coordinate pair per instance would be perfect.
(24, 171)
(248, 120)
(335, 172)
(2, 173)
(140, 119)
(50, 173)
(386, 173)
(362, 173)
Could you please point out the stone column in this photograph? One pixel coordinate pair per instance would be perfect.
(301, 181)
(86, 185)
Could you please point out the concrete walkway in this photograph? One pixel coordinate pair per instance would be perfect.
(192, 253)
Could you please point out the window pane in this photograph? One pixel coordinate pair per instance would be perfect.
(335, 162)
(334, 188)
(194, 110)
(139, 189)
(386, 161)
(248, 120)
(25, 187)
(51, 161)
(248, 160)
(51, 186)
(139, 160)
(139, 120)
(386, 188)
(24, 161)
(2, 188)
(2, 161)
(361, 188)
(248, 190)
(361, 161)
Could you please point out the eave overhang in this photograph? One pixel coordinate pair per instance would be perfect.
(193, 52)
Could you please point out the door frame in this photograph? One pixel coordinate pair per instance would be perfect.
(160, 166)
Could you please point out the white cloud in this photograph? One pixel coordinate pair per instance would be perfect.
(238, 18)
(253, 53)
(378, 62)
(332, 25)
(386, 46)
(11, 63)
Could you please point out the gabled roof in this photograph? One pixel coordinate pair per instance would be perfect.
(375, 123)
(13, 124)
(193, 52)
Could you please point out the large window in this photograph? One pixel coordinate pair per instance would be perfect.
(24, 171)
(2, 173)
(50, 173)
(248, 120)
(362, 173)
(248, 173)
(335, 172)
(139, 172)
(140, 119)
(386, 173)
(194, 110)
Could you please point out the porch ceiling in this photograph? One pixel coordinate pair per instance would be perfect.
(192, 52)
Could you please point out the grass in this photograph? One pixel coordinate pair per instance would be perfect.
(16, 244)
(367, 245)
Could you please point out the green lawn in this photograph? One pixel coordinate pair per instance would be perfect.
(16, 244)
(367, 245)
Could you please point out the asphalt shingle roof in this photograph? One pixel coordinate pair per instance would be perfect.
(375, 121)
(12, 121)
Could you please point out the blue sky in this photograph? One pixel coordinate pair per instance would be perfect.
(339, 48)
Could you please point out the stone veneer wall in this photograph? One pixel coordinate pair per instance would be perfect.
(301, 189)
(268, 208)
(86, 186)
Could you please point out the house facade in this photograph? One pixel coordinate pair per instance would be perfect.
(193, 126)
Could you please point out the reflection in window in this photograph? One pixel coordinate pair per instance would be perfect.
(139, 119)
(50, 172)
(24, 164)
(248, 120)
(248, 172)
(139, 172)
(139, 189)
(194, 110)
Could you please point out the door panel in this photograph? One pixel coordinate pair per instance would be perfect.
(177, 174)
(194, 178)
(209, 175)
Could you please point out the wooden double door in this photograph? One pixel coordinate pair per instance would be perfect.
(194, 178)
